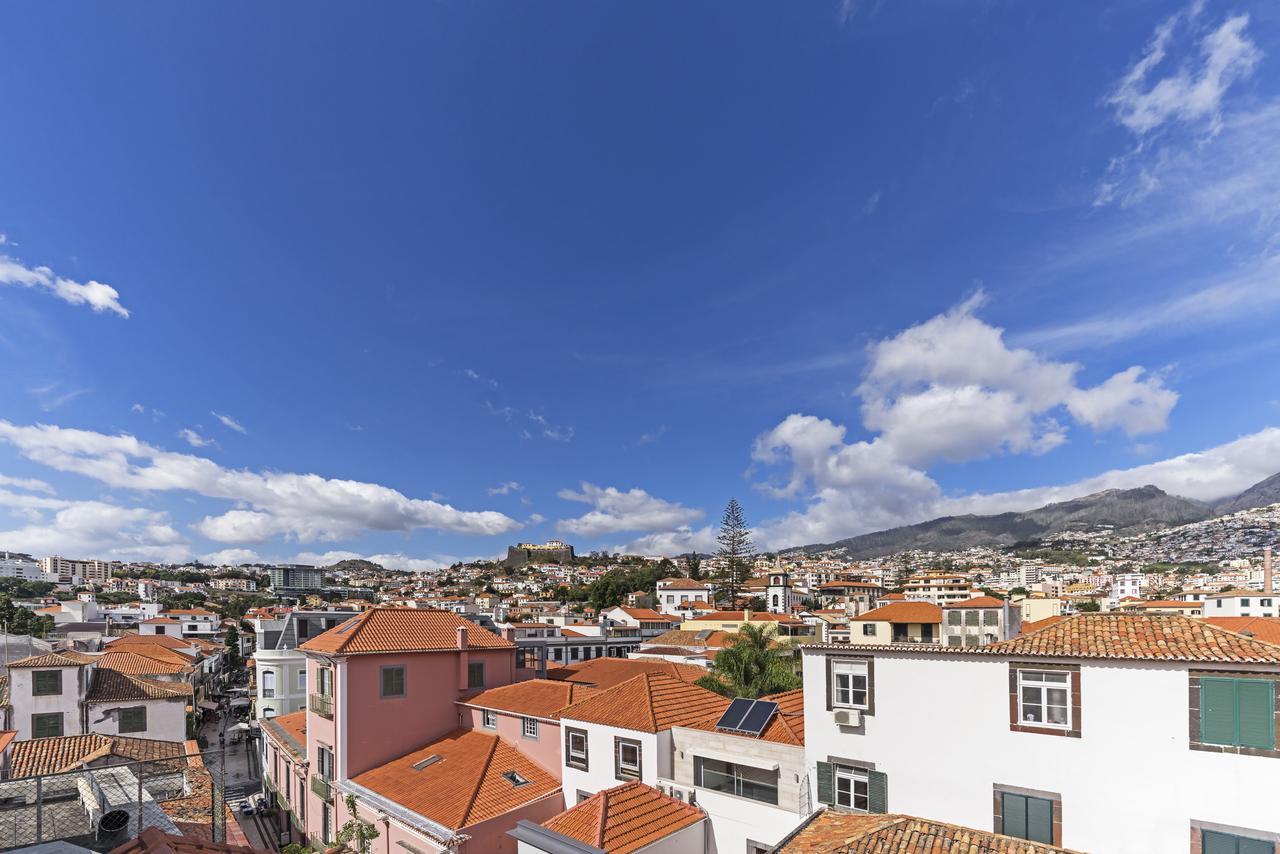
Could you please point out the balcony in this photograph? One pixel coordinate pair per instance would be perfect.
(322, 788)
(322, 705)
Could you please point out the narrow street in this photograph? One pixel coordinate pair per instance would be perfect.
(242, 779)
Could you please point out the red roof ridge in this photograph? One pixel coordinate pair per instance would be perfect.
(475, 790)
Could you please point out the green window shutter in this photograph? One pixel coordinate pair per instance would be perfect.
(826, 784)
(1255, 846)
(1217, 711)
(1040, 820)
(1255, 705)
(877, 792)
(1014, 811)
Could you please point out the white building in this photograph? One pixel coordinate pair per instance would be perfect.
(1241, 603)
(1125, 585)
(282, 670)
(1104, 732)
(978, 621)
(677, 595)
(90, 570)
(17, 565)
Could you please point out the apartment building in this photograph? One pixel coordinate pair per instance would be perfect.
(981, 620)
(1175, 711)
(938, 587)
(649, 622)
(18, 565)
(1242, 603)
(281, 668)
(67, 571)
(898, 622)
(676, 595)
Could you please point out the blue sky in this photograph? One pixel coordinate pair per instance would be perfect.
(417, 282)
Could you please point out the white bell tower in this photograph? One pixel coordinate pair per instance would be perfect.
(778, 593)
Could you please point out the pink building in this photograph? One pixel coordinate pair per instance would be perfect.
(525, 714)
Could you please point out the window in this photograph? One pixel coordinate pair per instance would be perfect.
(133, 719)
(1217, 842)
(1265, 603)
(475, 674)
(626, 759)
(529, 727)
(268, 684)
(953, 640)
(46, 682)
(1238, 712)
(302, 680)
(740, 780)
(324, 763)
(326, 821)
(48, 725)
(849, 684)
(990, 618)
(852, 789)
(954, 617)
(869, 630)
(1044, 698)
(1026, 817)
(575, 749)
(393, 681)
(324, 681)
(489, 719)
(574, 653)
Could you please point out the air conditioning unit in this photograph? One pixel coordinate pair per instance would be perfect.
(848, 717)
(680, 793)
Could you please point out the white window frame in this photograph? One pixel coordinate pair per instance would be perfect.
(849, 672)
(624, 767)
(529, 727)
(1035, 680)
(579, 756)
(489, 718)
(855, 779)
(302, 680)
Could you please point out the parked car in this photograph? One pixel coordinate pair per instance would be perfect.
(246, 808)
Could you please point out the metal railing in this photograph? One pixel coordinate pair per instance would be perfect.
(321, 787)
(321, 704)
(102, 807)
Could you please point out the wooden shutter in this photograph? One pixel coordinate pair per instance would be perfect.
(1256, 712)
(1217, 711)
(1040, 820)
(1013, 811)
(877, 792)
(826, 783)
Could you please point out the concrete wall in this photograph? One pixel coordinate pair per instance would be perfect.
(1130, 783)
(166, 719)
(74, 687)
(600, 774)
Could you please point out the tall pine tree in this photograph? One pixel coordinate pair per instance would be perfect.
(736, 551)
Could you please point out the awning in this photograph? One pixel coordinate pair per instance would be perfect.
(734, 759)
(240, 701)
(207, 706)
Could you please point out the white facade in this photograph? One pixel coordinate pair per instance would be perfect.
(675, 597)
(282, 682)
(1126, 584)
(166, 720)
(1251, 604)
(27, 705)
(655, 759)
(1129, 784)
(15, 565)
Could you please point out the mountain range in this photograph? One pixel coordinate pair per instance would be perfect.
(1127, 511)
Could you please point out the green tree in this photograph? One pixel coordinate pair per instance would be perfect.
(695, 567)
(357, 834)
(1088, 606)
(736, 550)
(233, 647)
(755, 665)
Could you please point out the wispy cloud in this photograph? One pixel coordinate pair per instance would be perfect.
(506, 488)
(229, 422)
(56, 395)
(476, 377)
(872, 202)
(652, 436)
(554, 432)
(194, 439)
(98, 296)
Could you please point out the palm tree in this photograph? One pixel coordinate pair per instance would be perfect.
(753, 666)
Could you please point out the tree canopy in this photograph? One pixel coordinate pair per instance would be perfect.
(755, 664)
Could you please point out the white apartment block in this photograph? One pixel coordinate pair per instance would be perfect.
(90, 570)
(1242, 603)
(938, 587)
(16, 565)
(1109, 733)
(1127, 584)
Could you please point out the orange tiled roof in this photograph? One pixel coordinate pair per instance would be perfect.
(977, 602)
(739, 616)
(464, 786)
(904, 612)
(1167, 637)
(852, 833)
(607, 672)
(1035, 625)
(165, 641)
(539, 698)
(159, 621)
(289, 731)
(1263, 628)
(64, 753)
(55, 659)
(111, 686)
(683, 584)
(625, 818)
(689, 637)
(785, 727)
(647, 614)
(155, 841)
(137, 663)
(650, 702)
(402, 630)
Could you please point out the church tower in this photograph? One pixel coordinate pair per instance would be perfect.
(778, 593)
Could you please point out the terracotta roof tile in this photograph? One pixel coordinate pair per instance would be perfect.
(1035, 625)
(625, 818)
(138, 663)
(904, 612)
(607, 672)
(852, 833)
(682, 637)
(1156, 637)
(162, 641)
(154, 841)
(55, 659)
(683, 584)
(110, 686)
(465, 785)
(64, 753)
(539, 698)
(650, 702)
(785, 727)
(648, 614)
(289, 731)
(402, 630)
(977, 602)
(1265, 629)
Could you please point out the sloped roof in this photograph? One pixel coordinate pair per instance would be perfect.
(382, 630)
(852, 833)
(464, 786)
(163, 641)
(977, 602)
(625, 818)
(785, 727)
(714, 638)
(650, 702)
(904, 612)
(141, 663)
(1265, 629)
(289, 731)
(647, 614)
(110, 686)
(607, 672)
(539, 698)
(683, 584)
(63, 753)
(1035, 625)
(152, 840)
(55, 659)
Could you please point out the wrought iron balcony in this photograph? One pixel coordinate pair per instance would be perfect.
(322, 788)
(322, 704)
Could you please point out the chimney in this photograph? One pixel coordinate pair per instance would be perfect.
(746, 615)
(1266, 571)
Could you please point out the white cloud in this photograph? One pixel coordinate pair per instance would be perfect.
(229, 422)
(873, 202)
(92, 529)
(472, 375)
(305, 507)
(668, 543)
(232, 556)
(1193, 92)
(96, 295)
(396, 561)
(615, 510)
(1132, 401)
(194, 439)
(652, 436)
(30, 484)
(554, 432)
(506, 488)
(536, 519)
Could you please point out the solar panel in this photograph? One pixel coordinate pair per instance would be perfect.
(732, 717)
(702, 635)
(757, 718)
